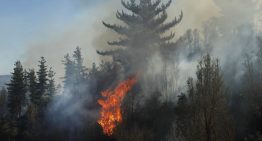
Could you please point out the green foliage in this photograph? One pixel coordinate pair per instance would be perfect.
(3, 102)
(42, 76)
(51, 89)
(35, 97)
(16, 92)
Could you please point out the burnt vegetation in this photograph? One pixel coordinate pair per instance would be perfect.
(221, 102)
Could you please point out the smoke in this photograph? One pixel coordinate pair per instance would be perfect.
(228, 35)
(70, 109)
(56, 42)
(87, 32)
(225, 33)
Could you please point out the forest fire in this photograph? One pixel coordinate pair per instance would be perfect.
(110, 114)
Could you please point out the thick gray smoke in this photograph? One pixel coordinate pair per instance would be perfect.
(226, 29)
(228, 37)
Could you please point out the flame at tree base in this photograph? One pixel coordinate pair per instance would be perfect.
(110, 114)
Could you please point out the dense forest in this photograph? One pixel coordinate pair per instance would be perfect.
(152, 97)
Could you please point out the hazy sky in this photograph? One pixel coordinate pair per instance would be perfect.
(51, 28)
(28, 21)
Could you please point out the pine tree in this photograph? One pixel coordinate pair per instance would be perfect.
(94, 69)
(69, 78)
(42, 76)
(75, 73)
(79, 74)
(25, 78)
(16, 92)
(35, 97)
(41, 87)
(51, 89)
(144, 30)
(80, 69)
(3, 100)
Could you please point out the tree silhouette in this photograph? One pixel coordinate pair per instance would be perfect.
(16, 92)
(144, 31)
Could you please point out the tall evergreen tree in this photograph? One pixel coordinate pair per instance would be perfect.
(69, 78)
(26, 78)
(144, 31)
(35, 97)
(51, 89)
(16, 92)
(3, 100)
(42, 76)
(75, 73)
(79, 68)
(79, 74)
(42, 86)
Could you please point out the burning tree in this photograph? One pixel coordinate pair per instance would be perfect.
(111, 111)
(144, 31)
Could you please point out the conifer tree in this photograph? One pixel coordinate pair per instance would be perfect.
(25, 78)
(42, 86)
(51, 90)
(16, 92)
(35, 97)
(144, 30)
(79, 73)
(42, 76)
(75, 73)
(79, 68)
(3, 100)
(69, 78)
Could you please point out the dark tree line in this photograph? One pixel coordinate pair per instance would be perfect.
(26, 100)
(203, 113)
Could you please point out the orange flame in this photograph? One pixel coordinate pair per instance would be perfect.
(110, 114)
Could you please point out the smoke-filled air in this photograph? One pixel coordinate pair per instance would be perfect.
(131, 70)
